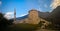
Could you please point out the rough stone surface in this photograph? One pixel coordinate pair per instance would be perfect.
(33, 18)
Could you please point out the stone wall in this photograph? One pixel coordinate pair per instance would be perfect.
(33, 17)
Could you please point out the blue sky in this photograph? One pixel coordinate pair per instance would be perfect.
(23, 6)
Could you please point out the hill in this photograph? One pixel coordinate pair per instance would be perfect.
(55, 15)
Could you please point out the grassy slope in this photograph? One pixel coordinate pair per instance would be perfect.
(22, 27)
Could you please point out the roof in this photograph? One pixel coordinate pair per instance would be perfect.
(33, 10)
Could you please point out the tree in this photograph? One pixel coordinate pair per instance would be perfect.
(4, 23)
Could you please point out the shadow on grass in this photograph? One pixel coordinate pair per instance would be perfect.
(22, 27)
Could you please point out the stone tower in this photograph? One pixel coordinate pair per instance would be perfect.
(33, 16)
(14, 15)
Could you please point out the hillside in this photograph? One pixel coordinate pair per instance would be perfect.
(55, 15)
(56, 12)
(41, 14)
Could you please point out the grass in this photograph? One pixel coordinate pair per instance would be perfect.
(22, 27)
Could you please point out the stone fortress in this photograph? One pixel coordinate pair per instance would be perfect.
(33, 18)
(36, 17)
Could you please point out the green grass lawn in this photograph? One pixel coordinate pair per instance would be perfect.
(22, 27)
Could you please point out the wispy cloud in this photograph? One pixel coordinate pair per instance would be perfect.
(23, 15)
(55, 3)
(8, 15)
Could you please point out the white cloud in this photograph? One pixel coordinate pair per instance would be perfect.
(22, 15)
(0, 2)
(55, 3)
(8, 15)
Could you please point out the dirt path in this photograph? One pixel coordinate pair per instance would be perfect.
(38, 29)
(45, 30)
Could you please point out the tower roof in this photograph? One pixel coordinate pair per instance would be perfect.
(33, 10)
